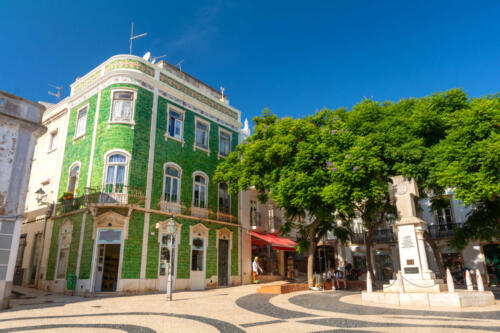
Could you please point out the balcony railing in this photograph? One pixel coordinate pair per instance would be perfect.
(384, 235)
(440, 231)
(124, 195)
(223, 215)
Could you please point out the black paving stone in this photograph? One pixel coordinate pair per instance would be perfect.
(329, 301)
(121, 327)
(261, 323)
(222, 326)
(259, 303)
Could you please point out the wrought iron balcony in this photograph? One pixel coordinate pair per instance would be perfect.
(122, 195)
(440, 231)
(384, 235)
(223, 215)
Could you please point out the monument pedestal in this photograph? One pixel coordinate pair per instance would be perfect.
(459, 299)
(417, 284)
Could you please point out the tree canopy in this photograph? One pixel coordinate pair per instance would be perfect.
(340, 161)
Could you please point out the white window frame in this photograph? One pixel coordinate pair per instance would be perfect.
(176, 166)
(183, 115)
(106, 164)
(75, 164)
(132, 111)
(204, 175)
(207, 123)
(86, 106)
(52, 144)
(221, 130)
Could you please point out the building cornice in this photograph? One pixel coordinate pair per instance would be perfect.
(141, 80)
(133, 64)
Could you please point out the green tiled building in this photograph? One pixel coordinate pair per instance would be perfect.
(142, 144)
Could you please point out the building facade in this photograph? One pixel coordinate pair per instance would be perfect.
(20, 125)
(141, 144)
(42, 191)
(441, 224)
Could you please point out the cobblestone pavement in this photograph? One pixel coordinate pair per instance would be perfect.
(235, 309)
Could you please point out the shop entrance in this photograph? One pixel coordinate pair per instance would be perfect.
(223, 262)
(108, 260)
(107, 267)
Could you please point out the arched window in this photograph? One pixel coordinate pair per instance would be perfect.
(171, 192)
(200, 191)
(74, 174)
(116, 166)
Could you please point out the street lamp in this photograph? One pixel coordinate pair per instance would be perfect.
(171, 229)
(40, 196)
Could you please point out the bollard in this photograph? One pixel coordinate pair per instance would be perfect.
(369, 287)
(479, 279)
(401, 285)
(449, 281)
(468, 281)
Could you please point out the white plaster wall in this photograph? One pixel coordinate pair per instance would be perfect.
(40, 172)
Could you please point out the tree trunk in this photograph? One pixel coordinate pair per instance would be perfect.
(368, 248)
(437, 254)
(310, 252)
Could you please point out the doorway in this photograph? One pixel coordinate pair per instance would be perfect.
(107, 267)
(198, 264)
(223, 265)
(35, 258)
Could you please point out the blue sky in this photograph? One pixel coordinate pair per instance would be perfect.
(292, 56)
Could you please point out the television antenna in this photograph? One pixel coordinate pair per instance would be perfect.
(179, 65)
(132, 37)
(154, 59)
(58, 93)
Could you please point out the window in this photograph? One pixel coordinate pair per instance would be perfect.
(254, 217)
(115, 173)
(197, 254)
(444, 218)
(172, 184)
(224, 143)
(224, 199)
(122, 107)
(165, 254)
(200, 191)
(81, 122)
(202, 130)
(175, 122)
(53, 141)
(74, 173)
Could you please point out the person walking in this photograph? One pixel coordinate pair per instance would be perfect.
(255, 270)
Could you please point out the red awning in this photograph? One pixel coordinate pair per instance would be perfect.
(278, 243)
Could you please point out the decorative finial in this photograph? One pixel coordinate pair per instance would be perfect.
(222, 97)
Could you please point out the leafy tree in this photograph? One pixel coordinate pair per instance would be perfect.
(468, 160)
(285, 160)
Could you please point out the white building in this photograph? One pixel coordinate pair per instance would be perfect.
(19, 127)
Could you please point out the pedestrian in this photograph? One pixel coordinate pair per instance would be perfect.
(492, 274)
(255, 270)
(340, 277)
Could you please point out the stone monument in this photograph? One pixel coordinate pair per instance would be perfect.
(410, 231)
(416, 284)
